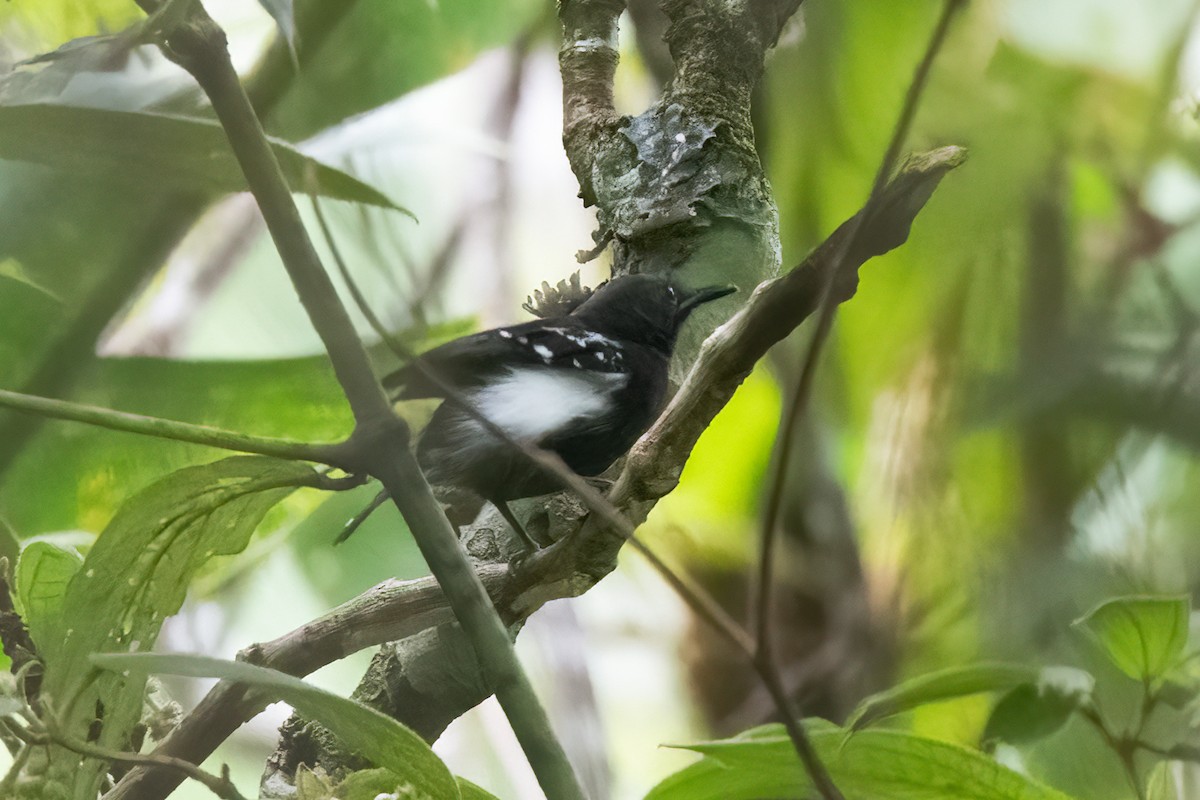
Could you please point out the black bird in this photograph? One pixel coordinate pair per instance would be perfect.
(584, 386)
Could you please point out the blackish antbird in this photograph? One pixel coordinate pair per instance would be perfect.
(584, 386)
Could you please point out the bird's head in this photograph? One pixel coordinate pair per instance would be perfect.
(648, 309)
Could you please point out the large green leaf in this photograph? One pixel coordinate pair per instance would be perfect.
(43, 573)
(373, 51)
(136, 575)
(937, 686)
(144, 149)
(379, 738)
(1143, 635)
(879, 765)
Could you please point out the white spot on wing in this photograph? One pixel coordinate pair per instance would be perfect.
(503, 334)
(544, 352)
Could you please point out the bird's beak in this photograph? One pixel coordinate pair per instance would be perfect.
(702, 296)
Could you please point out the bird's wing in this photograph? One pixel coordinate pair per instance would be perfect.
(475, 360)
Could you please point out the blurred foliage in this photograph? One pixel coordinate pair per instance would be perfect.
(1007, 419)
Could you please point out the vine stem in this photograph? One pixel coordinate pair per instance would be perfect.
(220, 785)
(764, 652)
(826, 308)
(333, 454)
(379, 445)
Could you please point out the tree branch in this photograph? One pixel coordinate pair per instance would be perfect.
(333, 454)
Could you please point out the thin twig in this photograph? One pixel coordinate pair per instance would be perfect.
(764, 646)
(707, 608)
(824, 321)
(220, 785)
(699, 600)
(333, 454)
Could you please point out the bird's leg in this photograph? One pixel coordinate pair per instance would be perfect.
(358, 519)
(511, 519)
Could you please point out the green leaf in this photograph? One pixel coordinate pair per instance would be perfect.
(1032, 711)
(312, 785)
(1144, 636)
(470, 791)
(369, 784)
(379, 738)
(373, 51)
(137, 574)
(43, 573)
(12, 270)
(1026, 714)
(156, 150)
(284, 14)
(1161, 783)
(935, 687)
(880, 765)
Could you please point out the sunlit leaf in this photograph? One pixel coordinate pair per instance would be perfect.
(1144, 636)
(43, 573)
(379, 738)
(312, 785)
(152, 150)
(935, 687)
(138, 573)
(1161, 783)
(880, 765)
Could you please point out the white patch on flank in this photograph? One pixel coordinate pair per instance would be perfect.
(544, 352)
(532, 403)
